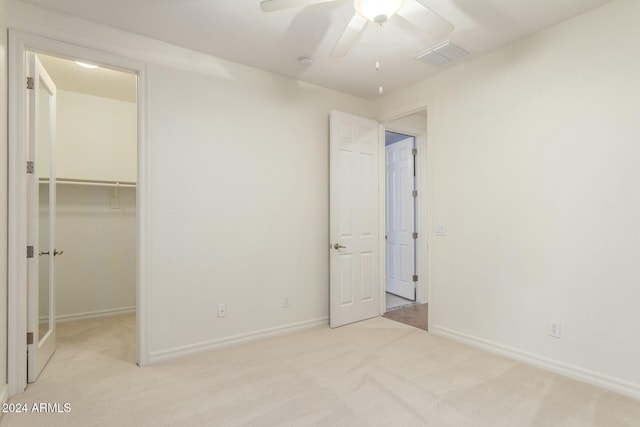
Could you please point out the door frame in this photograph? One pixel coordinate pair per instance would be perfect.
(424, 207)
(19, 43)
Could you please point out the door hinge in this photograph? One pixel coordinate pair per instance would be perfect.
(29, 251)
(414, 193)
(415, 277)
(30, 166)
(415, 235)
(414, 152)
(30, 83)
(29, 338)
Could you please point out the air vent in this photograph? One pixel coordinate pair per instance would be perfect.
(443, 54)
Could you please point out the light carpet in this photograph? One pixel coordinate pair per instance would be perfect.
(373, 373)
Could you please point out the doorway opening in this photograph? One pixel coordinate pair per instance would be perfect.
(81, 209)
(400, 217)
(357, 217)
(23, 311)
(405, 244)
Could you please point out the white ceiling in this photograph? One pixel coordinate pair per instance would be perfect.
(103, 82)
(237, 30)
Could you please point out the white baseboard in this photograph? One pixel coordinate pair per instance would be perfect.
(610, 383)
(173, 353)
(95, 314)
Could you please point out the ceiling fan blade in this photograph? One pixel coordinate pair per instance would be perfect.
(349, 36)
(274, 5)
(425, 19)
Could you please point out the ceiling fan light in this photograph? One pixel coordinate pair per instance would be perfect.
(377, 11)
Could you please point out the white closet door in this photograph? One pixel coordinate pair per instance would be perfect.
(41, 322)
(353, 225)
(400, 247)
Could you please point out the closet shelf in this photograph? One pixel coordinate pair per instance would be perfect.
(96, 183)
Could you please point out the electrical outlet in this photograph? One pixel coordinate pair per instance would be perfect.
(554, 328)
(285, 302)
(222, 310)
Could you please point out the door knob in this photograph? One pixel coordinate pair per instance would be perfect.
(337, 246)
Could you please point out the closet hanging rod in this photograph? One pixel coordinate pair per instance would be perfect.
(97, 183)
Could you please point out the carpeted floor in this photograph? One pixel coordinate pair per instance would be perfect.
(413, 315)
(372, 373)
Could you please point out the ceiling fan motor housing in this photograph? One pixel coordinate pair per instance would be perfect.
(380, 19)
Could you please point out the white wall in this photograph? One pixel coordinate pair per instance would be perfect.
(4, 9)
(239, 202)
(414, 122)
(239, 187)
(535, 174)
(97, 272)
(97, 138)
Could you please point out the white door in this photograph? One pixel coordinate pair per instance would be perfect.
(400, 245)
(353, 223)
(41, 211)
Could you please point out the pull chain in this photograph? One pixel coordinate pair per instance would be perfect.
(379, 43)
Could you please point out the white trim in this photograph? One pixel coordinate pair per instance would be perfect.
(19, 43)
(429, 186)
(143, 223)
(382, 220)
(610, 383)
(177, 352)
(408, 110)
(17, 214)
(92, 314)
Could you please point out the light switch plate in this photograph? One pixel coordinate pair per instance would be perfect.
(441, 230)
(554, 328)
(222, 310)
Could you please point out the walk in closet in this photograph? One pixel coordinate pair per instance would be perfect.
(95, 195)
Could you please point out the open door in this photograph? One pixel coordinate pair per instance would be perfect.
(400, 222)
(41, 254)
(353, 224)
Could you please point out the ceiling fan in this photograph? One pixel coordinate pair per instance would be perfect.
(377, 12)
